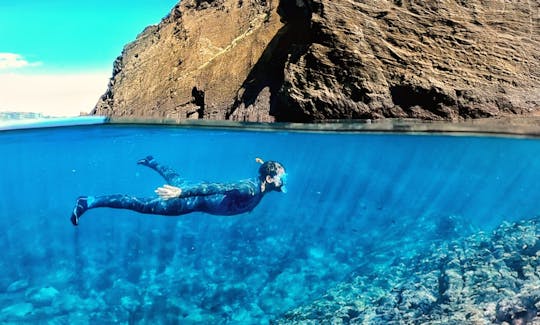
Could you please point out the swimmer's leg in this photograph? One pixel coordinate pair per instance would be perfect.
(170, 176)
(173, 207)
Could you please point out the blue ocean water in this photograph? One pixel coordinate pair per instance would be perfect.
(355, 202)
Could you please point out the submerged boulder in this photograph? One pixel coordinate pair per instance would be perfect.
(16, 312)
(18, 285)
(42, 296)
(308, 60)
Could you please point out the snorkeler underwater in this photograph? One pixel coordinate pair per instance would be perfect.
(174, 199)
(380, 227)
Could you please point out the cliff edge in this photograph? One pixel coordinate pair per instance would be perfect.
(309, 60)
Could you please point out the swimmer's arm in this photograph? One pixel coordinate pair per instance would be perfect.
(167, 192)
(207, 189)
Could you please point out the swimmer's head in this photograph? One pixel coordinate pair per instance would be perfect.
(273, 174)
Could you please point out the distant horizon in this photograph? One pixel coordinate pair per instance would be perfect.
(56, 58)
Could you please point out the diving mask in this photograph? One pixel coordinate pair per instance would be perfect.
(283, 178)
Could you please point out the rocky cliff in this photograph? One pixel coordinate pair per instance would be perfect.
(308, 60)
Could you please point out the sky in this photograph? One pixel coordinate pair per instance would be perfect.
(56, 56)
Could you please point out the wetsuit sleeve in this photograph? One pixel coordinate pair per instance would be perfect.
(214, 188)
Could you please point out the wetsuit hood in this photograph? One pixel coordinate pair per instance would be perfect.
(272, 169)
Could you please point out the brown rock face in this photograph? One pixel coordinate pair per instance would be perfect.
(308, 60)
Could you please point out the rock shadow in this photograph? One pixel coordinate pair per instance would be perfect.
(289, 43)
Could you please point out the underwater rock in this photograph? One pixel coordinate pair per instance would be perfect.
(123, 293)
(43, 296)
(17, 286)
(67, 303)
(252, 281)
(17, 311)
(129, 303)
(125, 300)
(479, 279)
(522, 308)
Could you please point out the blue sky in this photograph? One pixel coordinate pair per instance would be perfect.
(67, 40)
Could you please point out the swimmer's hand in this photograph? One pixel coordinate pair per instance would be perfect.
(167, 192)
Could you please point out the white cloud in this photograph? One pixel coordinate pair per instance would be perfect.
(52, 94)
(14, 61)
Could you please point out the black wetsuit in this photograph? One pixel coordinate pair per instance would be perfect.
(213, 198)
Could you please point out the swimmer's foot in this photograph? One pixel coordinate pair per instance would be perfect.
(148, 161)
(80, 208)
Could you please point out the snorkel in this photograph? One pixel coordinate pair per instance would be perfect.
(273, 169)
